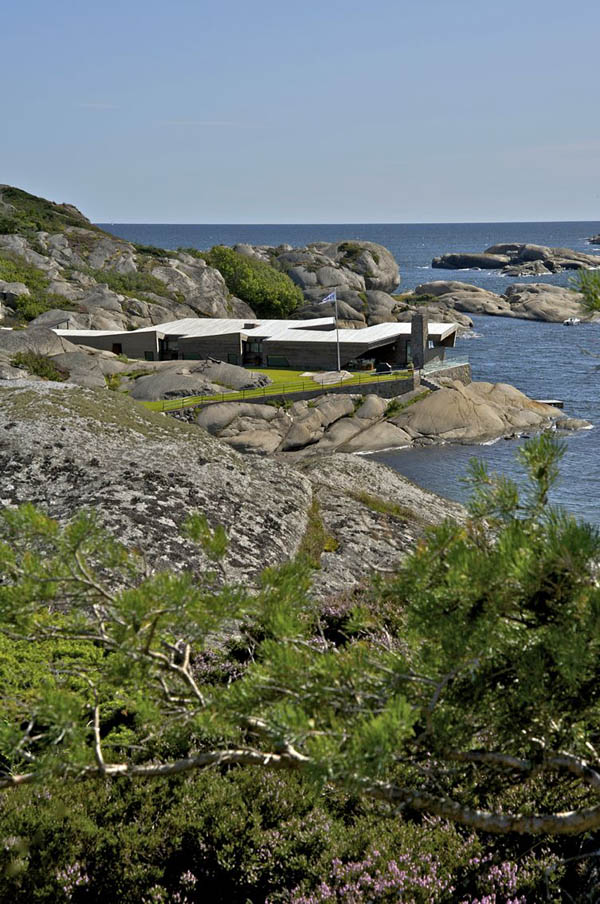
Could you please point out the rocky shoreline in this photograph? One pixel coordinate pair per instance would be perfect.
(451, 299)
(519, 259)
(453, 413)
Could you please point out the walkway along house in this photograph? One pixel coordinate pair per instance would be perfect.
(297, 344)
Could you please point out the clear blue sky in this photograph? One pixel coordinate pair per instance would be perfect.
(272, 111)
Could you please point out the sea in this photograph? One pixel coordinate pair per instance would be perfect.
(544, 360)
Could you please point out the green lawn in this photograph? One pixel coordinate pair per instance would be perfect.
(285, 382)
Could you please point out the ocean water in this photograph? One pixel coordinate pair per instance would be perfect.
(544, 360)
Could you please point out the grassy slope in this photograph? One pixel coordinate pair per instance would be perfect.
(26, 214)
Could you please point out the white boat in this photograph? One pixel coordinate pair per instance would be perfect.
(571, 321)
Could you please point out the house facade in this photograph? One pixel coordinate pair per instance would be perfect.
(297, 344)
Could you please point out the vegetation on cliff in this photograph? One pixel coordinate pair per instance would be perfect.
(463, 691)
(268, 291)
(26, 214)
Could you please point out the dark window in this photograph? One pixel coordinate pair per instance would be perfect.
(277, 361)
(232, 359)
(117, 348)
(149, 356)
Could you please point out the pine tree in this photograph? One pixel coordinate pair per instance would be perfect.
(466, 686)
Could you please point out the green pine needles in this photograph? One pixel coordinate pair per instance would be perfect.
(467, 686)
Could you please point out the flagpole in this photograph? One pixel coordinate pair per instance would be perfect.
(337, 334)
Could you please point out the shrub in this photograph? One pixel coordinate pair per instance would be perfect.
(268, 291)
(395, 406)
(39, 365)
(132, 284)
(29, 214)
(588, 283)
(27, 307)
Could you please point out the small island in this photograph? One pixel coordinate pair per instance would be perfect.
(519, 259)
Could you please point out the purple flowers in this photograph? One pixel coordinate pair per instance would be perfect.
(72, 877)
(412, 880)
(375, 880)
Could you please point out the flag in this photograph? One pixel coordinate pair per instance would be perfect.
(330, 297)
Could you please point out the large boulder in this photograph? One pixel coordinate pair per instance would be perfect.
(469, 260)
(333, 407)
(349, 264)
(373, 262)
(379, 436)
(174, 379)
(474, 413)
(542, 301)
(304, 431)
(18, 245)
(217, 416)
(36, 339)
(10, 292)
(83, 369)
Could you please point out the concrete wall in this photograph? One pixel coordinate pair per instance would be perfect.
(418, 339)
(133, 344)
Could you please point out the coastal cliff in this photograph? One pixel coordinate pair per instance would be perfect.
(56, 266)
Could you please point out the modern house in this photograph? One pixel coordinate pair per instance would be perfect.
(298, 344)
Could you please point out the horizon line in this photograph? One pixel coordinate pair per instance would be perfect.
(339, 223)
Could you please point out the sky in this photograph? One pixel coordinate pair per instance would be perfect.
(304, 112)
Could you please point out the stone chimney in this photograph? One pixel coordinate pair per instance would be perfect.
(419, 336)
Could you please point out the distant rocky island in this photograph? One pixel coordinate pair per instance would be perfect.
(518, 259)
(454, 300)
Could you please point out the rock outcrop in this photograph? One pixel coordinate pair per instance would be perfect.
(98, 281)
(527, 301)
(146, 381)
(519, 259)
(174, 379)
(362, 273)
(458, 413)
(65, 448)
(594, 240)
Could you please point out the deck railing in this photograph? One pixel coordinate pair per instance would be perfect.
(449, 361)
(277, 389)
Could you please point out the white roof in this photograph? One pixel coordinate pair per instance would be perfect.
(274, 330)
(380, 333)
(213, 326)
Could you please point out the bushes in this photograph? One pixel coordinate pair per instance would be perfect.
(269, 292)
(39, 300)
(588, 283)
(132, 284)
(246, 838)
(39, 365)
(29, 214)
